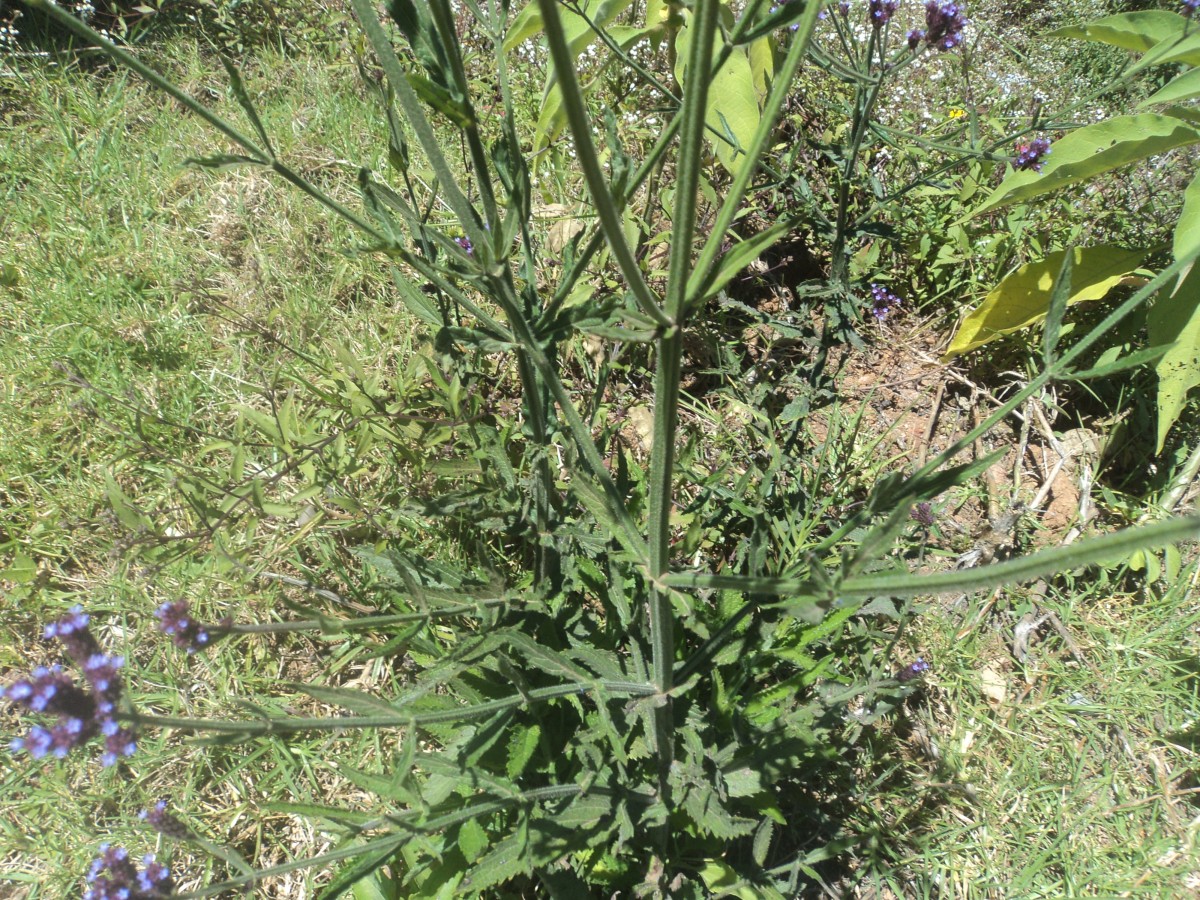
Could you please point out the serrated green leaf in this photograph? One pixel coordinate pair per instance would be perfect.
(762, 842)
(1092, 150)
(743, 782)
(522, 745)
(348, 698)
(472, 840)
(360, 868)
(1137, 31)
(504, 861)
(1175, 319)
(1023, 298)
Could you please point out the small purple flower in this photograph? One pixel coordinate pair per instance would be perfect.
(465, 243)
(82, 714)
(1190, 7)
(73, 632)
(923, 513)
(114, 876)
(917, 35)
(880, 12)
(163, 822)
(915, 669)
(883, 301)
(175, 619)
(945, 22)
(844, 8)
(1031, 156)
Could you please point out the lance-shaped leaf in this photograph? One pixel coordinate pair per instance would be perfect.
(1183, 87)
(1186, 242)
(1175, 319)
(1094, 150)
(1023, 298)
(1137, 31)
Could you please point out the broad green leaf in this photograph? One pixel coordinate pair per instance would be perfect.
(1138, 31)
(722, 881)
(733, 102)
(504, 861)
(1179, 49)
(1186, 242)
(1176, 319)
(1023, 297)
(1093, 150)
(1184, 87)
(22, 571)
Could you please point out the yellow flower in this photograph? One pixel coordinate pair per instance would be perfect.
(956, 113)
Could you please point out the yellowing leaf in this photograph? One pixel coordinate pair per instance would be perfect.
(1023, 297)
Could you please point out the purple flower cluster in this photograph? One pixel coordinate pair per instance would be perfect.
(113, 876)
(880, 12)
(1190, 7)
(163, 822)
(944, 23)
(82, 713)
(176, 620)
(1032, 155)
(923, 513)
(915, 669)
(465, 243)
(883, 301)
(915, 37)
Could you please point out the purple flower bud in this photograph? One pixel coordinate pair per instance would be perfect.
(1031, 156)
(465, 243)
(923, 513)
(163, 822)
(913, 670)
(880, 12)
(915, 37)
(188, 634)
(945, 22)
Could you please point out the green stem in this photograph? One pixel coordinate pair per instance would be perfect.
(585, 150)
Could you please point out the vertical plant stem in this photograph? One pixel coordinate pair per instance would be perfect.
(864, 104)
(669, 353)
(585, 150)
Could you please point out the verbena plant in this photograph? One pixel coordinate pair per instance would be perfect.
(599, 711)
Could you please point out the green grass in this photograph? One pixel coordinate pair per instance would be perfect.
(171, 292)
(157, 284)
